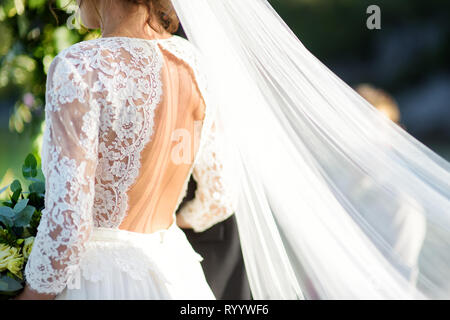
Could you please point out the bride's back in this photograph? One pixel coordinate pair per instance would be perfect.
(167, 159)
(150, 116)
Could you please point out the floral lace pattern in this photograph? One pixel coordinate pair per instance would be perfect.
(101, 98)
(69, 162)
(212, 203)
(136, 85)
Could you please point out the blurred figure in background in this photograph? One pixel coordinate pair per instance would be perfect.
(406, 231)
(380, 100)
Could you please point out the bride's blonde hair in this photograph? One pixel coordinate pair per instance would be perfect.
(162, 10)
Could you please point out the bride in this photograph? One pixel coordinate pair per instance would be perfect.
(268, 132)
(113, 179)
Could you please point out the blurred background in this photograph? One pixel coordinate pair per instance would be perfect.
(403, 69)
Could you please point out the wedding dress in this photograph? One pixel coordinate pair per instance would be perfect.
(117, 155)
(282, 137)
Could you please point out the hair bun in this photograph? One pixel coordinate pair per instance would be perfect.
(164, 11)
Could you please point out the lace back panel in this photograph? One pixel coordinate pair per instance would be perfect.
(167, 159)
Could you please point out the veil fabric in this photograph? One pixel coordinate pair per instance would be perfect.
(334, 200)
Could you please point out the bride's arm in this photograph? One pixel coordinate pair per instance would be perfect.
(213, 202)
(69, 160)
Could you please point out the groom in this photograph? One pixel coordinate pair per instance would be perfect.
(220, 248)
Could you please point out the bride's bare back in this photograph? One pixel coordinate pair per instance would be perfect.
(162, 177)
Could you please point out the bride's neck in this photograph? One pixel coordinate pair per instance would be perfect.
(131, 22)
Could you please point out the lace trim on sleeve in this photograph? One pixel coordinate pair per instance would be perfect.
(213, 202)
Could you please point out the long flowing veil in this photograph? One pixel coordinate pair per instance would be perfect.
(334, 200)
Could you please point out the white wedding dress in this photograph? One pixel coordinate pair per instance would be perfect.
(113, 105)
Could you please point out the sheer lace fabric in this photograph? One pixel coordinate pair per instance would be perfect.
(119, 146)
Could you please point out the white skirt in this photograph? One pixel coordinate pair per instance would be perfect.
(124, 265)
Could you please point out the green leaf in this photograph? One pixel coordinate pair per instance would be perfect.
(29, 167)
(7, 212)
(20, 205)
(7, 203)
(23, 218)
(30, 161)
(8, 284)
(15, 196)
(6, 221)
(37, 187)
(6, 216)
(16, 186)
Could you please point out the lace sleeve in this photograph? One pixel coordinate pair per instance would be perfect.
(69, 160)
(213, 202)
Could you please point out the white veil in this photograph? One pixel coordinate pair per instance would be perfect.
(335, 201)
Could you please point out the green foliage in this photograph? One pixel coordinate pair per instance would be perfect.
(19, 219)
(30, 38)
(23, 209)
(29, 168)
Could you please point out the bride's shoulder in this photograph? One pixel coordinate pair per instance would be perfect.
(84, 49)
(74, 56)
(90, 55)
(110, 51)
(74, 66)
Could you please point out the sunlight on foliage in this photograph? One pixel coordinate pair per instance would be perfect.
(30, 39)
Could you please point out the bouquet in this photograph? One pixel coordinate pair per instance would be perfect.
(19, 219)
